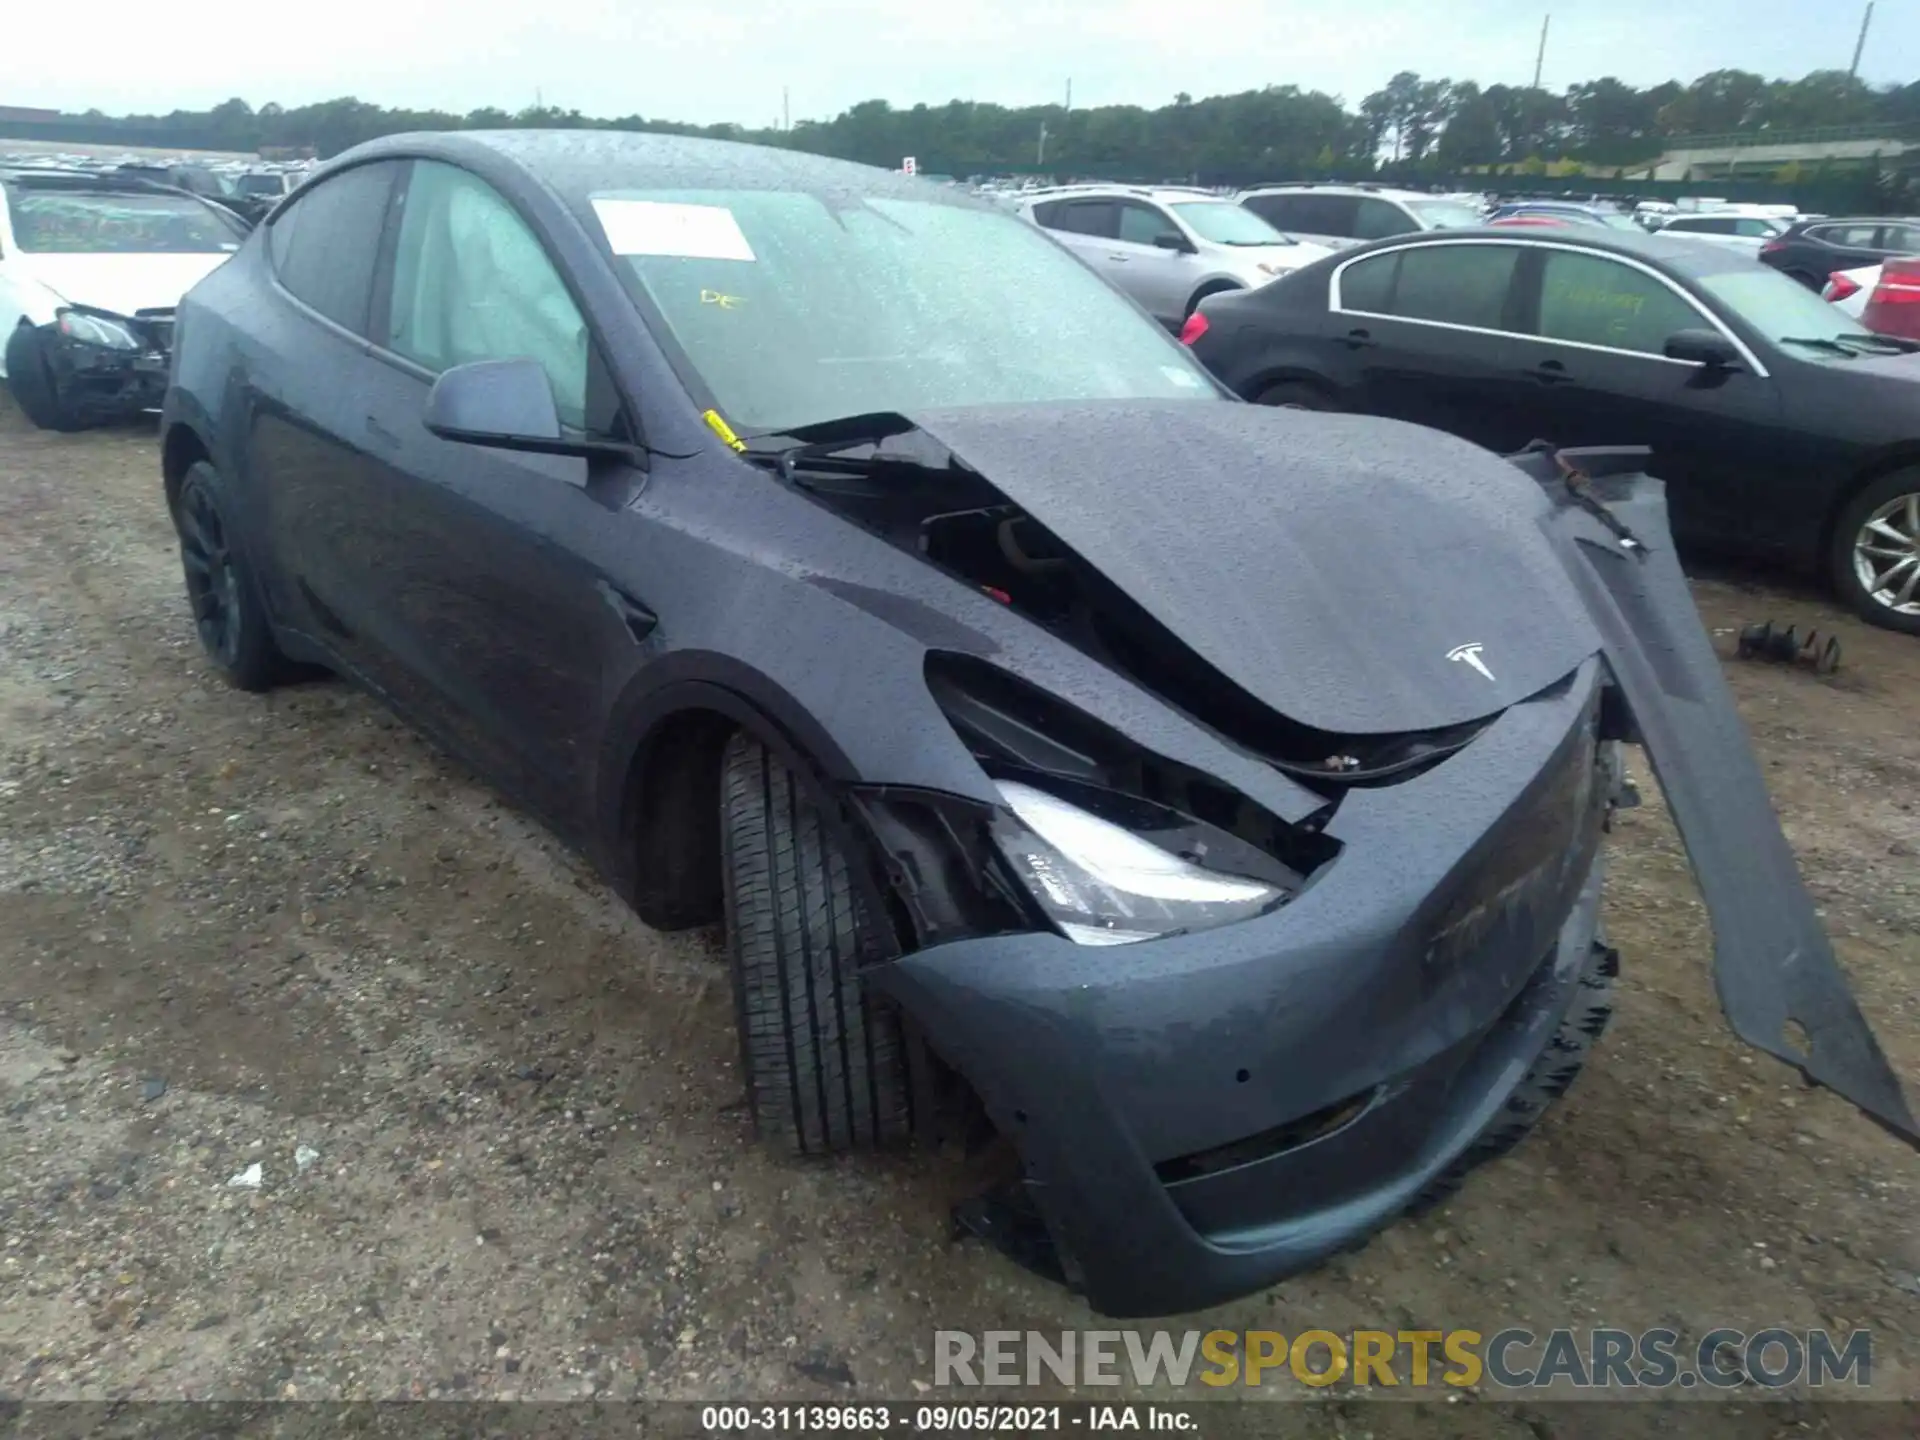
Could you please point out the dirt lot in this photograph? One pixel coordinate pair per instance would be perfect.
(502, 1137)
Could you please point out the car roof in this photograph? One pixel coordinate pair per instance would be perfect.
(1313, 187)
(1686, 258)
(580, 163)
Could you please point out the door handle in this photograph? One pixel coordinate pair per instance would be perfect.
(1121, 258)
(1551, 372)
(1358, 339)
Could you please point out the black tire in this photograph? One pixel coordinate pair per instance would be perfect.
(1847, 583)
(222, 590)
(31, 380)
(1295, 395)
(824, 1063)
(1553, 1073)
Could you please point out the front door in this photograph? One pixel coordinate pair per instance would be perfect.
(1601, 377)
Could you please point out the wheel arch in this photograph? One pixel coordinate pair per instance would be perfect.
(1213, 285)
(181, 449)
(660, 816)
(1888, 460)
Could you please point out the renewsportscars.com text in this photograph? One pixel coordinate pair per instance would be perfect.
(1514, 1359)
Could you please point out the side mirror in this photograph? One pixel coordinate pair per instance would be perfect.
(1702, 347)
(502, 404)
(1170, 241)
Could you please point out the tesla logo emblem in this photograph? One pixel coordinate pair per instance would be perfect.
(1470, 654)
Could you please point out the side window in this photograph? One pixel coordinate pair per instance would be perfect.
(1280, 211)
(1900, 239)
(1456, 284)
(1368, 284)
(1084, 217)
(1143, 224)
(1377, 219)
(1753, 226)
(1326, 215)
(1855, 237)
(324, 245)
(1596, 301)
(472, 282)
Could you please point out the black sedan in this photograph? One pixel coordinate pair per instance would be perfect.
(834, 555)
(1782, 429)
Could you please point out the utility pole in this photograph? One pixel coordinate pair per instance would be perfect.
(786, 110)
(1853, 70)
(1040, 150)
(1069, 104)
(1539, 61)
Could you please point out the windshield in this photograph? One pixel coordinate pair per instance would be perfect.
(79, 222)
(258, 184)
(1777, 307)
(1226, 224)
(795, 308)
(1444, 214)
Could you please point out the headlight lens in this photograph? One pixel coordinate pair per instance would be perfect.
(1104, 885)
(97, 330)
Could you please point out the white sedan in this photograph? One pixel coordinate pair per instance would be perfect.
(91, 268)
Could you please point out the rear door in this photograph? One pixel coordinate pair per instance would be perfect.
(1086, 227)
(308, 375)
(1599, 376)
(1431, 326)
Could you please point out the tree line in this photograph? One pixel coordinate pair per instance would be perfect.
(1410, 125)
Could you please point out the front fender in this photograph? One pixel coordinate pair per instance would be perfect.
(1773, 964)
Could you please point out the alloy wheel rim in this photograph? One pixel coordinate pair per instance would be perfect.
(1886, 555)
(213, 585)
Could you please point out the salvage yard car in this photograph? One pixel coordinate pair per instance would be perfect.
(91, 268)
(1785, 429)
(1061, 740)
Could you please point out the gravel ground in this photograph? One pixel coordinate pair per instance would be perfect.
(500, 1138)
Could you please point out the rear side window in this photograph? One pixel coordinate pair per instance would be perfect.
(1313, 214)
(1900, 239)
(1081, 217)
(1368, 284)
(1456, 284)
(324, 245)
(1854, 237)
(1378, 219)
(1595, 301)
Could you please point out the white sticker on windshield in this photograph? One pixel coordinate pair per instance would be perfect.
(1181, 377)
(658, 227)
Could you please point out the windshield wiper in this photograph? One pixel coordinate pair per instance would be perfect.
(1820, 342)
(819, 447)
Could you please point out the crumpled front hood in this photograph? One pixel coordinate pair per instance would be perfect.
(1357, 575)
(120, 283)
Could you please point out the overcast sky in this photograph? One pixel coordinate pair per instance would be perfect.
(715, 60)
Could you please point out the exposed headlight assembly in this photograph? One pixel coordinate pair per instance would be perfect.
(1137, 871)
(91, 328)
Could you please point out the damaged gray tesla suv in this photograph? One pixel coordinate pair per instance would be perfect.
(1063, 742)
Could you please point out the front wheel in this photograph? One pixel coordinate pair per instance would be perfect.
(824, 1061)
(1876, 552)
(31, 380)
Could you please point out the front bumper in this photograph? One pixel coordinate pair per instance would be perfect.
(1203, 1115)
(97, 382)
